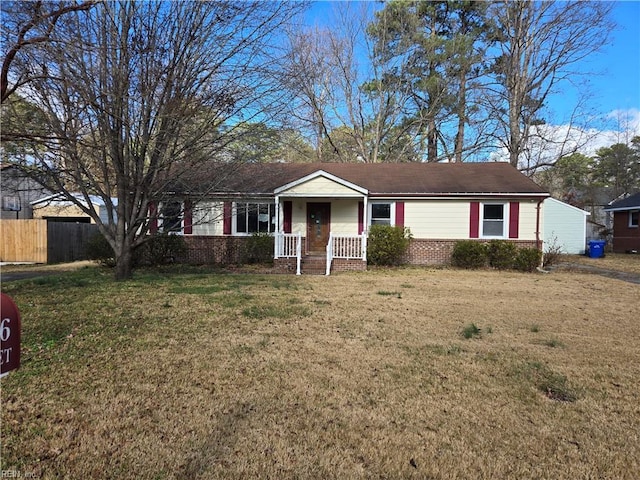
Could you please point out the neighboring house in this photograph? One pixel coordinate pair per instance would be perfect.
(565, 227)
(17, 192)
(594, 199)
(626, 232)
(317, 208)
(56, 208)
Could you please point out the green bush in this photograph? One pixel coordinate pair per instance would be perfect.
(469, 254)
(98, 248)
(387, 245)
(501, 254)
(259, 248)
(527, 259)
(160, 249)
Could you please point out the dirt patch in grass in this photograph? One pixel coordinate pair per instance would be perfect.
(264, 376)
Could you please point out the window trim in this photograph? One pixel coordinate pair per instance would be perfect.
(392, 212)
(272, 227)
(505, 220)
(630, 223)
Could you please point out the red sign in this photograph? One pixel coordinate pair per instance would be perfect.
(9, 335)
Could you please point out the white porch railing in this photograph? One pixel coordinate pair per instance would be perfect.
(288, 245)
(346, 246)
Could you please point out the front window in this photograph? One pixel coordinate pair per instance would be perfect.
(633, 218)
(493, 220)
(255, 217)
(381, 214)
(171, 216)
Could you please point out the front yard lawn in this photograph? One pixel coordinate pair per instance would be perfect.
(408, 373)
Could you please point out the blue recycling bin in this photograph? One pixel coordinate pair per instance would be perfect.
(596, 248)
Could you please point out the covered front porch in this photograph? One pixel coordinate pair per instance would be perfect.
(321, 220)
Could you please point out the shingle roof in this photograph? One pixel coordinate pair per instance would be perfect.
(629, 203)
(427, 179)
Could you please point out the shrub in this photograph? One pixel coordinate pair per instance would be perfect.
(469, 254)
(160, 249)
(528, 259)
(387, 245)
(259, 248)
(553, 253)
(98, 248)
(501, 254)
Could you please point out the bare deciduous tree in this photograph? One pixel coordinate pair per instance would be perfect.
(339, 88)
(26, 24)
(139, 97)
(540, 46)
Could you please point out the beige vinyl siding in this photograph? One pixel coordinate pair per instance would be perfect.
(527, 223)
(450, 218)
(207, 218)
(298, 217)
(322, 187)
(344, 217)
(437, 218)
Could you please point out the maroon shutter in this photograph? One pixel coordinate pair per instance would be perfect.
(153, 218)
(226, 218)
(188, 217)
(474, 220)
(514, 219)
(360, 218)
(287, 212)
(400, 214)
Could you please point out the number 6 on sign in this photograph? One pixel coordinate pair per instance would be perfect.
(9, 335)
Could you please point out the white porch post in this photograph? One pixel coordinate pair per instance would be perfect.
(365, 227)
(278, 229)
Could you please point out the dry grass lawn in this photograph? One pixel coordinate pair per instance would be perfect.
(369, 375)
(629, 263)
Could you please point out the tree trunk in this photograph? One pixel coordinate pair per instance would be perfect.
(462, 106)
(432, 141)
(124, 262)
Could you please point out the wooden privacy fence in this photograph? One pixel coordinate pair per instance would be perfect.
(41, 241)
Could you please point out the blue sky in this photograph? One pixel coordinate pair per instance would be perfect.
(619, 86)
(615, 85)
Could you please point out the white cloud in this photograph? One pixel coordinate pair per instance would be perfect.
(550, 142)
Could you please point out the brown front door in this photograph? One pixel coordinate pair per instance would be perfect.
(318, 226)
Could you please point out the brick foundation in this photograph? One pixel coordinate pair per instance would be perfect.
(438, 252)
(214, 250)
(225, 250)
(288, 265)
(348, 265)
(284, 265)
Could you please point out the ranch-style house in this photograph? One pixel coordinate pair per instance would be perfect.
(319, 213)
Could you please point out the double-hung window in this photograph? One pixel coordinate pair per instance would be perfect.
(171, 217)
(633, 218)
(255, 217)
(381, 214)
(493, 220)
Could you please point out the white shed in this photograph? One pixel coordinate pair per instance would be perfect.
(564, 226)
